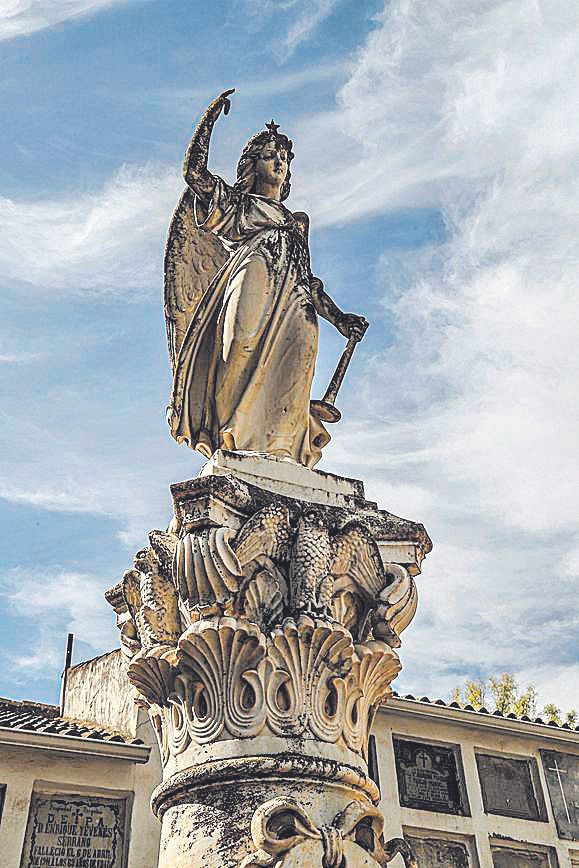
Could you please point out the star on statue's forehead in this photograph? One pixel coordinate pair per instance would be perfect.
(272, 127)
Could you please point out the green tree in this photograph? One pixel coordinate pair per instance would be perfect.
(475, 694)
(525, 705)
(552, 713)
(508, 699)
(472, 693)
(456, 696)
(504, 692)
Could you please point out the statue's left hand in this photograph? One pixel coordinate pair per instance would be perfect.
(352, 326)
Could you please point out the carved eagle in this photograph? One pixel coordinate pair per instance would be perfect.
(219, 570)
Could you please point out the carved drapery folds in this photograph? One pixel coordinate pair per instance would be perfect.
(284, 625)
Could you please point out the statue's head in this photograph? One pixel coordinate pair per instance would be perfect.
(267, 155)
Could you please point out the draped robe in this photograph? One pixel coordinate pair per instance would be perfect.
(244, 370)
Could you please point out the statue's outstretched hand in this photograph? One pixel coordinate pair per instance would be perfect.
(221, 104)
(352, 326)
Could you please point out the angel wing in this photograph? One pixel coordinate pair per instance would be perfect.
(192, 258)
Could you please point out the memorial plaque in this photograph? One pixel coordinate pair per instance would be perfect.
(511, 787)
(74, 831)
(562, 774)
(439, 853)
(430, 777)
(511, 857)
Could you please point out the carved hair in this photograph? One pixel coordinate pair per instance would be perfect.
(246, 175)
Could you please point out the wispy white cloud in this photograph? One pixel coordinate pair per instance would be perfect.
(23, 17)
(267, 86)
(55, 602)
(473, 408)
(104, 463)
(298, 18)
(110, 241)
(18, 358)
(306, 23)
(63, 499)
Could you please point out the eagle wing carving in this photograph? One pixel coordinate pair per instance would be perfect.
(267, 533)
(355, 555)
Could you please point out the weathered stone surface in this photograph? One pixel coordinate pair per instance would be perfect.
(511, 857)
(260, 634)
(242, 307)
(93, 695)
(75, 830)
(439, 853)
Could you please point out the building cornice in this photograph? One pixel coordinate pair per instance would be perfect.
(70, 744)
(476, 720)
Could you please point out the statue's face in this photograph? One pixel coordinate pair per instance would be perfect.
(272, 164)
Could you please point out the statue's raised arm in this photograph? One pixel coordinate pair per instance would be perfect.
(241, 305)
(192, 256)
(197, 175)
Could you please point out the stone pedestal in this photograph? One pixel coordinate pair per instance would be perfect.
(261, 629)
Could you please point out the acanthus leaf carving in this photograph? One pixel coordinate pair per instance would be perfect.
(308, 660)
(281, 626)
(374, 667)
(219, 660)
(153, 675)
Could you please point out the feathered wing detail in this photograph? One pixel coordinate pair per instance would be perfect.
(206, 571)
(268, 533)
(355, 554)
(192, 259)
(263, 594)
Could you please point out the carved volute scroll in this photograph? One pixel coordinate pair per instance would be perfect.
(284, 834)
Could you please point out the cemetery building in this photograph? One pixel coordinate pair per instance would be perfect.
(467, 789)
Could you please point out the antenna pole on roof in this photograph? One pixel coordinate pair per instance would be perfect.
(67, 662)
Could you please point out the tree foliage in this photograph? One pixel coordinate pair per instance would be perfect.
(507, 698)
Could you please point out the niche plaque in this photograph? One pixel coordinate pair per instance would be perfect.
(439, 853)
(510, 787)
(562, 774)
(75, 831)
(511, 857)
(430, 777)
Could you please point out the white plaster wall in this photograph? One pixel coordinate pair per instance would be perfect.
(479, 825)
(98, 691)
(20, 767)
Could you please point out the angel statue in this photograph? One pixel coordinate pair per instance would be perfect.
(241, 305)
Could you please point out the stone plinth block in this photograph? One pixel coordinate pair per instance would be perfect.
(261, 630)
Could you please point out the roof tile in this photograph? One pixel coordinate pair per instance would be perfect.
(39, 717)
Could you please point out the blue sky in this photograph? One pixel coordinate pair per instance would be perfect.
(437, 156)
